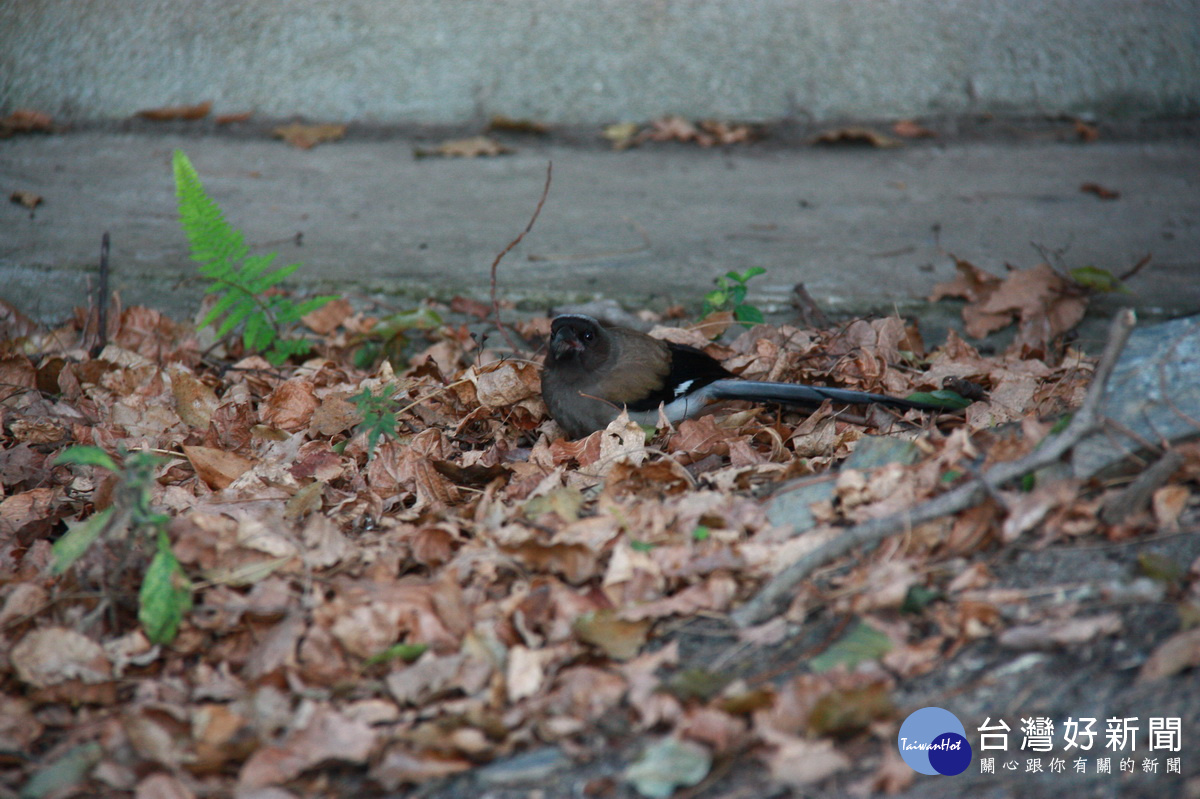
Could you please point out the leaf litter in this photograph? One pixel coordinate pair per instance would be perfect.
(477, 586)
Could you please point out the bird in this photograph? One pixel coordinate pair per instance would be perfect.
(594, 371)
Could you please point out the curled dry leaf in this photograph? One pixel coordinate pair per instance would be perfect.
(291, 406)
(177, 112)
(54, 655)
(328, 736)
(24, 120)
(616, 637)
(1100, 191)
(1044, 303)
(1060, 632)
(216, 467)
(911, 129)
(1180, 651)
(26, 198)
(403, 765)
(195, 402)
(506, 383)
(329, 316)
(306, 137)
(19, 727)
(473, 147)
(798, 762)
(856, 136)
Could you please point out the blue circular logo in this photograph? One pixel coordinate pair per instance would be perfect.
(934, 741)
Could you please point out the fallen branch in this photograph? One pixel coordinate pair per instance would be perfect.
(496, 263)
(1087, 419)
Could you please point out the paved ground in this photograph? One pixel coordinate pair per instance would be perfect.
(864, 229)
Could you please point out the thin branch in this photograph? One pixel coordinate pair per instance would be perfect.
(102, 301)
(496, 263)
(1086, 420)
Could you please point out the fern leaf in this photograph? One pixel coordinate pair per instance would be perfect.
(212, 239)
(239, 280)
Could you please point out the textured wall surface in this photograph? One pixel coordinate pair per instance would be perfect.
(436, 61)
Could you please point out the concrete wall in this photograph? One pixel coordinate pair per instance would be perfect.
(591, 61)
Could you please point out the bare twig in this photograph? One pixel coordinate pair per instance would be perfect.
(102, 301)
(1085, 420)
(505, 251)
(1136, 268)
(1136, 496)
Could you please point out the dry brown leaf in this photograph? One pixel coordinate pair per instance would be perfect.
(1060, 632)
(856, 136)
(1168, 504)
(39, 431)
(54, 655)
(506, 383)
(1099, 191)
(473, 147)
(24, 120)
(26, 198)
(16, 375)
(893, 775)
(30, 514)
(707, 133)
(162, 786)
(402, 765)
(177, 112)
(291, 406)
(19, 727)
(507, 124)
(328, 736)
(336, 414)
(797, 762)
(1086, 132)
(229, 119)
(306, 137)
(216, 467)
(329, 316)
(195, 402)
(1180, 651)
(911, 129)
(617, 638)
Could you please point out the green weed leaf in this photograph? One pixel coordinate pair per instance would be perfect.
(166, 595)
(79, 536)
(87, 456)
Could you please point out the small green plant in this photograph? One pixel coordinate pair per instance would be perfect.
(730, 295)
(166, 592)
(406, 652)
(391, 335)
(378, 416)
(239, 280)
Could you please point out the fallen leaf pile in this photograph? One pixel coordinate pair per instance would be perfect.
(706, 133)
(478, 586)
(1044, 303)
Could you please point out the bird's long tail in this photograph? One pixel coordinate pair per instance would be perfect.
(797, 394)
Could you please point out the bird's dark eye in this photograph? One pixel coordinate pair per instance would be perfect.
(587, 335)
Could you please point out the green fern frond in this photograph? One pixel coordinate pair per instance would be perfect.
(239, 280)
(215, 243)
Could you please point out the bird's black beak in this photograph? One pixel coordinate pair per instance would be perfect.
(564, 341)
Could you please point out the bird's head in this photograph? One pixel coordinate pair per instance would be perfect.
(577, 338)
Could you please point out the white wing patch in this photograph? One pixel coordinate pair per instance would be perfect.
(683, 387)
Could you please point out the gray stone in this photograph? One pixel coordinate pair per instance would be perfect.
(1153, 396)
(523, 769)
